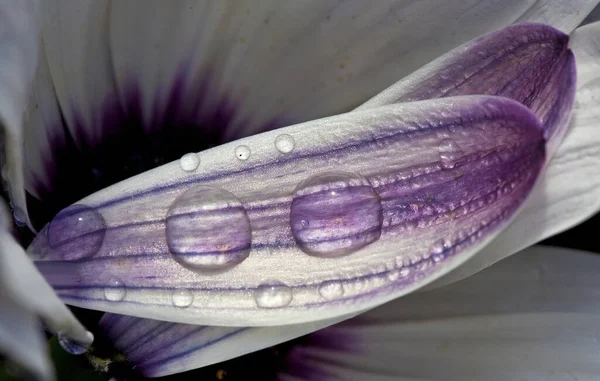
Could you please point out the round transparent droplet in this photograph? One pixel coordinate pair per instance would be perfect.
(71, 346)
(76, 232)
(115, 291)
(449, 152)
(182, 298)
(273, 295)
(242, 152)
(208, 229)
(285, 143)
(331, 289)
(189, 162)
(20, 217)
(335, 214)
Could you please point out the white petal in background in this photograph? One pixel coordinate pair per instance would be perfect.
(19, 35)
(568, 192)
(531, 317)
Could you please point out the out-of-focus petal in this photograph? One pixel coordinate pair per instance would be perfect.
(569, 190)
(434, 181)
(532, 317)
(19, 43)
(159, 348)
(529, 63)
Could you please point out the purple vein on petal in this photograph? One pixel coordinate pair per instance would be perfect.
(449, 174)
(530, 63)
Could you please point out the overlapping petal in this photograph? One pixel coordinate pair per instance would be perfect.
(442, 177)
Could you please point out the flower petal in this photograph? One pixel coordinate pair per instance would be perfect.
(529, 63)
(159, 348)
(533, 316)
(19, 32)
(435, 181)
(568, 191)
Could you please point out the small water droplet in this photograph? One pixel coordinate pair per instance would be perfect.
(208, 229)
(449, 152)
(20, 217)
(71, 346)
(115, 291)
(331, 289)
(335, 214)
(242, 152)
(285, 143)
(398, 274)
(189, 162)
(182, 298)
(76, 232)
(273, 295)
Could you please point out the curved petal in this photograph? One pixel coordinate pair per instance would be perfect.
(441, 178)
(19, 42)
(533, 316)
(529, 63)
(24, 295)
(568, 191)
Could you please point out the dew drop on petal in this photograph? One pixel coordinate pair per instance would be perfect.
(335, 214)
(331, 289)
(76, 232)
(242, 152)
(71, 346)
(273, 295)
(115, 291)
(285, 143)
(208, 229)
(182, 298)
(449, 152)
(189, 162)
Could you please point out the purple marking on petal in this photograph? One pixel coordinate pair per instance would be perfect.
(434, 209)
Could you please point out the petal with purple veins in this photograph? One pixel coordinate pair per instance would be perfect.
(448, 174)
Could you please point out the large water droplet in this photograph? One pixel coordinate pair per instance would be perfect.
(449, 152)
(208, 229)
(331, 289)
(242, 152)
(71, 346)
(189, 162)
(273, 295)
(182, 298)
(285, 143)
(115, 291)
(335, 214)
(76, 232)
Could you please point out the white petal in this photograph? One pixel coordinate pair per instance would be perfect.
(569, 189)
(531, 317)
(22, 283)
(19, 42)
(250, 66)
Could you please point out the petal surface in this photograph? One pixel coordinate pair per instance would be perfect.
(19, 34)
(530, 63)
(531, 317)
(424, 186)
(568, 191)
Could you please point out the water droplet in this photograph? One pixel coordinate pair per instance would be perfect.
(71, 346)
(242, 152)
(76, 232)
(182, 298)
(449, 152)
(331, 289)
(189, 162)
(208, 229)
(335, 214)
(285, 143)
(20, 217)
(273, 295)
(115, 291)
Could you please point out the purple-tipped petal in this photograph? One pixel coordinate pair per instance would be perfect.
(448, 175)
(530, 63)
